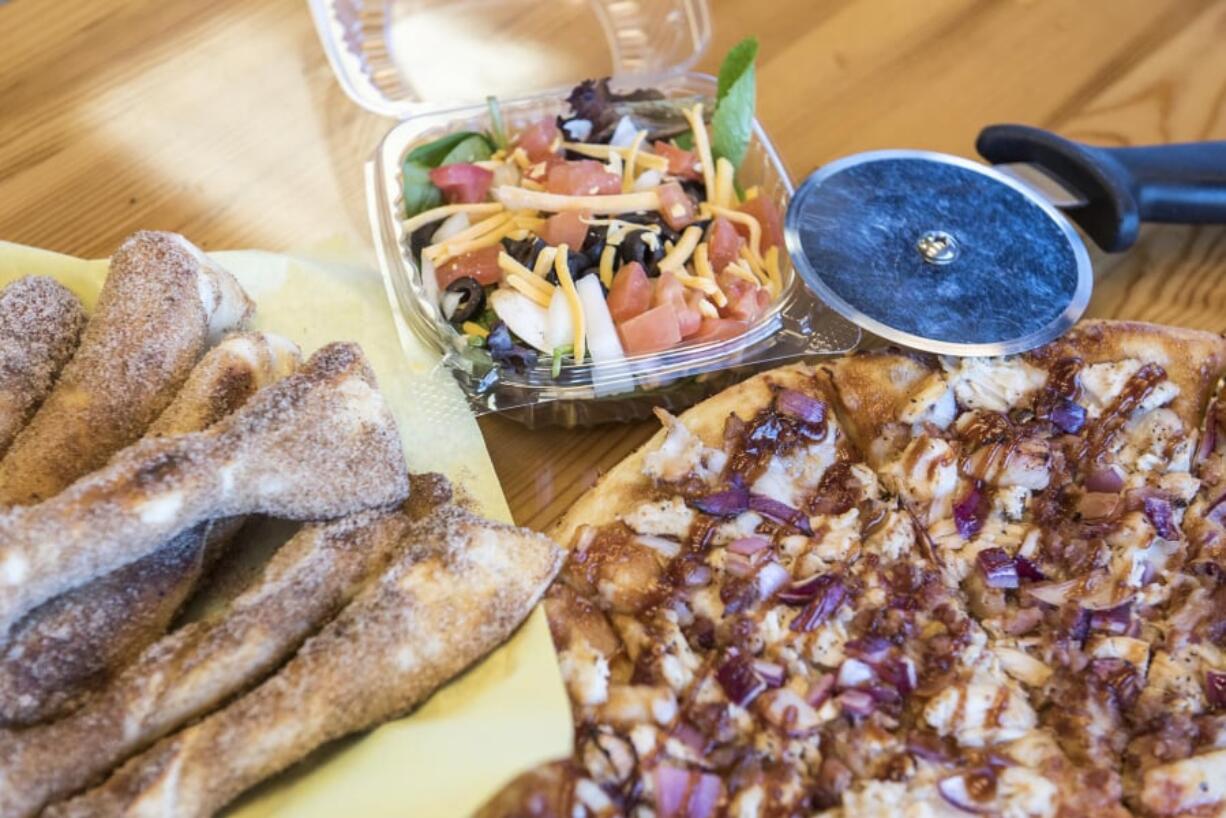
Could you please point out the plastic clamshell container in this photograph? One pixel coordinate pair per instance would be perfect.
(650, 43)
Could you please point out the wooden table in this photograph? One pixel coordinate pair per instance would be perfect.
(223, 121)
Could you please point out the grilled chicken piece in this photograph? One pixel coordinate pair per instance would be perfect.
(319, 444)
(73, 643)
(163, 304)
(40, 322)
(458, 588)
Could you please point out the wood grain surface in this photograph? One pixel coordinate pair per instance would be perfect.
(222, 120)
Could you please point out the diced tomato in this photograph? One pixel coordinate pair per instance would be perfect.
(565, 228)
(692, 319)
(672, 292)
(479, 264)
(675, 206)
(723, 244)
(767, 214)
(631, 292)
(719, 329)
(586, 177)
(746, 301)
(652, 331)
(537, 138)
(462, 183)
(681, 162)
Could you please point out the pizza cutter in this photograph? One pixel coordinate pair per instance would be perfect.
(952, 256)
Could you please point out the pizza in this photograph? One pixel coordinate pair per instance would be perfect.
(893, 584)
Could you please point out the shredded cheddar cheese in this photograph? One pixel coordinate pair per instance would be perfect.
(481, 235)
(724, 174)
(771, 264)
(677, 256)
(755, 229)
(544, 260)
(649, 161)
(435, 214)
(520, 157)
(617, 230)
(530, 290)
(702, 266)
(517, 198)
(473, 328)
(755, 265)
(752, 193)
(703, 145)
(740, 269)
(509, 265)
(531, 184)
(632, 159)
(706, 285)
(572, 301)
(606, 265)
(707, 309)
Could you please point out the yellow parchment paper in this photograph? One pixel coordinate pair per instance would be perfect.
(506, 714)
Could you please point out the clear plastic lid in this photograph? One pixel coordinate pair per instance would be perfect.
(406, 57)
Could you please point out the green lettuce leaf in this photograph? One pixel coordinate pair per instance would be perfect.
(732, 122)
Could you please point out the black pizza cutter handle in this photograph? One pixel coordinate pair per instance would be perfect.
(1182, 183)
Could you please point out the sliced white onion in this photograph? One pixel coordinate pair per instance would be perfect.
(523, 316)
(647, 180)
(602, 338)
(623, 134)
(561, 329)
(449, 302)
(577, 130)
(429, 281)
(451, 225)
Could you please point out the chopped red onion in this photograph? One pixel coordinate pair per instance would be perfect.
(680, 793)
(1215, 689)
(802, 590)
(773, 673)
(1028, 571)
(1161, 516)
(1070, 417)
(727, 503)
(824, 603)
(1053, 593)
(771, 577)
(930, 747)
(691, 737)
(900, 673)
(1098, 505)
(999, 569)
(820, 690)
(1112, 620)
(779, 512)
(705, 796)
(800, 405)
(969, 513)
(871, 649)
(958, 792)
(738, 565)
(1107, 479)
(857, 702)
(698, 576)
(749, 545)
(740, 683)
